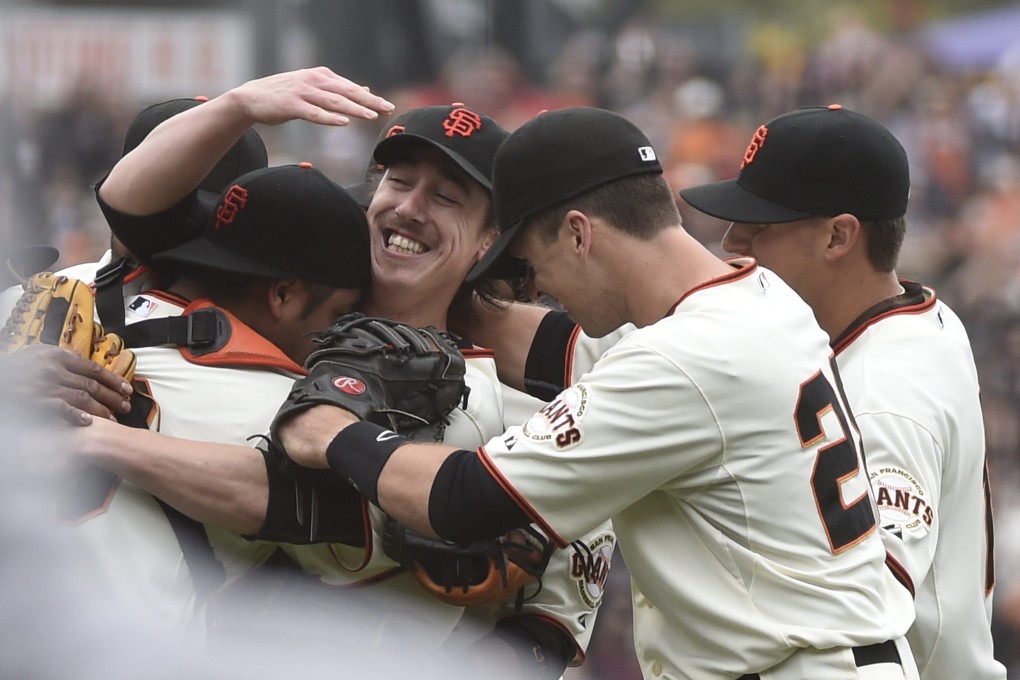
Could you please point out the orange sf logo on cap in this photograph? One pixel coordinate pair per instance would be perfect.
(232, 203)
(757, 141)
(462, 121)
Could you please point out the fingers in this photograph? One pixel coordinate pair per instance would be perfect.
(317, 95)
(350, 98)
(62, 382)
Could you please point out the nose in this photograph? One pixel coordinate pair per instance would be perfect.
(737, 239)
(412, 207)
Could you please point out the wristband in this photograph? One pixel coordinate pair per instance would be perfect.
(359, 453)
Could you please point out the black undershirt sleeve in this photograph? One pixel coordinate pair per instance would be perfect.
(146, 235)
(466, 504)
(547, 358)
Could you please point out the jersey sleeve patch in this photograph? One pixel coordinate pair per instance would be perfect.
(589, 567)
(559, 421)
(902, 502)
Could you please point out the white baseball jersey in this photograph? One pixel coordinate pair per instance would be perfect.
(391, 601)
(911, 381)
(718, 443)
(210, 401)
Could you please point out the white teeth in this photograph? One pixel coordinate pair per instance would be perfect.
(403, 243)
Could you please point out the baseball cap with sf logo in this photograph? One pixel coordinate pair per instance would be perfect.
(814, 161)
(466, 137)
(284, 221)
(557, 156)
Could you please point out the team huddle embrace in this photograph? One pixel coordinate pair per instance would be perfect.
(355, 410)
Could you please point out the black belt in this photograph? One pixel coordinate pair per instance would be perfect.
(883, 652)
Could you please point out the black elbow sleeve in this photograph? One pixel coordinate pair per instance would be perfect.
(466, 504)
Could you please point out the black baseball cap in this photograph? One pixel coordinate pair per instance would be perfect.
(818, 160)
(247, 154)
(556, 156)
(284, 221)
(468, 138)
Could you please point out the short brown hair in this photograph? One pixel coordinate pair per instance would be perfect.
(641, 205)
(884, 238)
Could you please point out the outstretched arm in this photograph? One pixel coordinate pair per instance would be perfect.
(174, 158)
(404, 478)
(221, 484)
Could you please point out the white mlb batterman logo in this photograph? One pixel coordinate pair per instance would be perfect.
(142, 306)
(559, 421)
(902, 503)
(647, 153)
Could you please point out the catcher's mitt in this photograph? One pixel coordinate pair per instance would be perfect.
(482, 573)
(58, 310)
(383, 371)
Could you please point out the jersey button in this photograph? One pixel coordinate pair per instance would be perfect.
(656, 669)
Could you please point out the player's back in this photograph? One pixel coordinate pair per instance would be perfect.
(718, 440)
(912, 384)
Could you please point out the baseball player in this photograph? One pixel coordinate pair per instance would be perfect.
(715, 435)
(430, 223)
(821, 200)
(81, 389)
(165, 562)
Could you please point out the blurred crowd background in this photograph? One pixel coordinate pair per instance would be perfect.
(697, 76)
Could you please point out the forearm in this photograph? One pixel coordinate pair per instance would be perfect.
(220, 484)
(175, 157)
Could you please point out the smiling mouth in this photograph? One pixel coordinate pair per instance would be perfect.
(402, 244)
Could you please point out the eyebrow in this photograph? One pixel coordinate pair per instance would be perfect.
(448, 170)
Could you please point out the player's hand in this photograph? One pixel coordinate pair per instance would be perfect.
(316, 94)
(52, 380)
(307, 433)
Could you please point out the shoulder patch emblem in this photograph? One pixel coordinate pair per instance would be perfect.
(902, 503)
(559, 421)
(589, 567)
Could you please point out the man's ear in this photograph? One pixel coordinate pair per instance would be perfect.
(579, 229)
(845, 233)
(488, 239)
(282, 295)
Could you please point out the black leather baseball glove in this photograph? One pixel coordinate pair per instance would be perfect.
(389, 373)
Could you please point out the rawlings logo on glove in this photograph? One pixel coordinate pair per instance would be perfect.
(389, 373)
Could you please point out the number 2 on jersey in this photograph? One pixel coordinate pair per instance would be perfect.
(836, 462)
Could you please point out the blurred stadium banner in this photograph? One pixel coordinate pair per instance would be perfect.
(135, 54)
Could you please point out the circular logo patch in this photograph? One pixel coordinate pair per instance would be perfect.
(349, 385)
(902, 503)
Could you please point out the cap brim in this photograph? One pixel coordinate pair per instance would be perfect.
(495, 251)
(729, 201)
(385, 150)
(207, 254)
